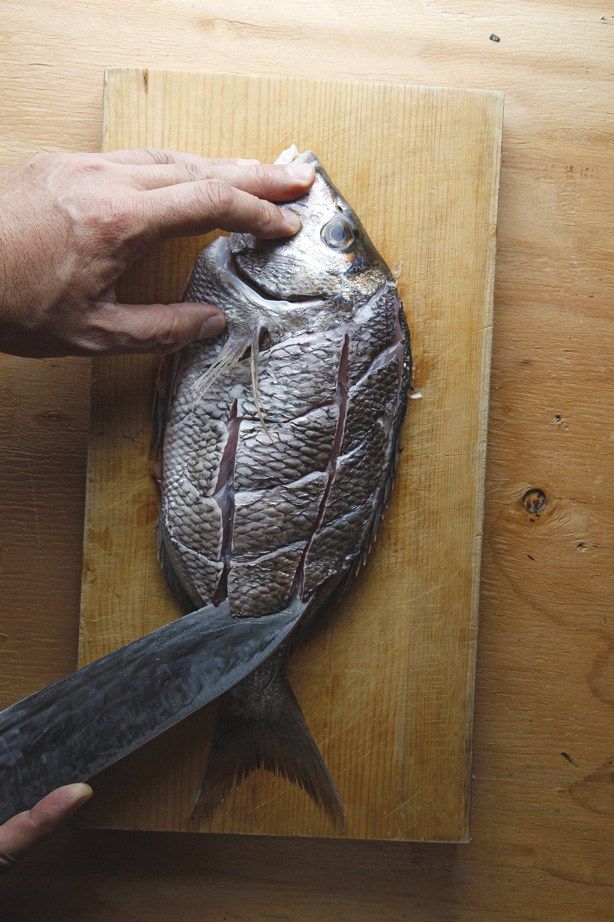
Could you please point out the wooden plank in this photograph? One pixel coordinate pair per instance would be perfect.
(387, 688)
(538, 850)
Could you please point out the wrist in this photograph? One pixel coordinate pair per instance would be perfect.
(27, 270)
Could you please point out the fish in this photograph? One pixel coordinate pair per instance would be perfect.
(277, 448)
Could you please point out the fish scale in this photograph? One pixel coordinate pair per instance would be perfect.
(280, 443)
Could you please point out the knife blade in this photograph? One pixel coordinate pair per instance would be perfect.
(78, 726)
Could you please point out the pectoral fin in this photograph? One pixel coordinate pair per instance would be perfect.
(233, 352)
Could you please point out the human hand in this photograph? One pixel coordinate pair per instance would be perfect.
(18, 834)
(70, 224)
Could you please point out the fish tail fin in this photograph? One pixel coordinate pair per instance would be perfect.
(265, 730)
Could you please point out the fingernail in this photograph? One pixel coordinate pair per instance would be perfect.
(213, 326)
(302, 171)
(293, 222)
(82, 793)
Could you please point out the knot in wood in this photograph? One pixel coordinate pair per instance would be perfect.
(534, 501)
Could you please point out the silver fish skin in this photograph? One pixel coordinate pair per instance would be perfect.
(279, 444)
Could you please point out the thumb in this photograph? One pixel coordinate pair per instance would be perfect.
(116, 328)
(23, 830)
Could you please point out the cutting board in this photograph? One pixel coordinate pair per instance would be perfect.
(387, 686)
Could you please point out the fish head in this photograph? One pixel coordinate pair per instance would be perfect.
(330, 256)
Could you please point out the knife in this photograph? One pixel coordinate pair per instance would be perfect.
(89, 720)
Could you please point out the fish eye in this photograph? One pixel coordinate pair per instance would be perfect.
(338, 233)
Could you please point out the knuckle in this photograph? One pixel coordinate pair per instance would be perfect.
(78, 165)
(102, 330)
(65, 170)
(168, 336)
(215, 196)
(115, 218)
(6, 862)
(268, 217)
(194, 172)
(44, 159)
(158, 156)
(156, 334)
(41, 824)
(52, 166)
(91, 344)
(89, 166)
(258, 174)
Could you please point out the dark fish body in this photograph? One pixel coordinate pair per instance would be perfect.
(279, 448)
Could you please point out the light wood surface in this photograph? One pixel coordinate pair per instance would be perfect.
(387, 686)
(541, 824)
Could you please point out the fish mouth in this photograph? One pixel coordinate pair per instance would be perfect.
(263, 292)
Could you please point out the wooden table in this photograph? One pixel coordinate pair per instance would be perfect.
(541, 807)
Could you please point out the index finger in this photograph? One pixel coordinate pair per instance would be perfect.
(201, 206)
(158, 156)
(266, 180)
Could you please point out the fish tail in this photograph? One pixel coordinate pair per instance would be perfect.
(263, 728)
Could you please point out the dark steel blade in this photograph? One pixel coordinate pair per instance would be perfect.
(78, 726)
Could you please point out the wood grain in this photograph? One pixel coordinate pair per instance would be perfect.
(541, 830)
(387, 687)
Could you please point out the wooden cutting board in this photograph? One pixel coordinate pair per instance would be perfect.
(387, 687)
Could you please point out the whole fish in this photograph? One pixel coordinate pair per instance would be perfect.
(278, 447)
